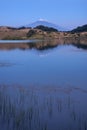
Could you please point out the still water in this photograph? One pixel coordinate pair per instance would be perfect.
(43, 87)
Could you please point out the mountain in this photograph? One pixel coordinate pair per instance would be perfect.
(45, 23)
(80, 29)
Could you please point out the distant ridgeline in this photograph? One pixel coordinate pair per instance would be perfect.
(46, 29)
(80, 29)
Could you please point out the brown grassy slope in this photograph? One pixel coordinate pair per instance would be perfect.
(12, 33)
(6, 33)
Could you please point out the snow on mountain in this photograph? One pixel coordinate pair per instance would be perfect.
(45, 23)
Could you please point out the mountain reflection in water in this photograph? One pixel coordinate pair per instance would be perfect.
(43, 85)
(40, 44)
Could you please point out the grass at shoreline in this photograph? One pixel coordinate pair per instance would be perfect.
(34, 108)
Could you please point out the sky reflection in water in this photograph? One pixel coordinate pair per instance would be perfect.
(43, 90)
(59, 66)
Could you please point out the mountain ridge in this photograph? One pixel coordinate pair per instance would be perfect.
(82, 28)
(45, 23)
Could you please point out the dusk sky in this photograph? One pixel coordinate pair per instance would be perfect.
(66, 13)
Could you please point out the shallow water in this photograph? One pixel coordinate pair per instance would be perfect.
(17, 41)
(43, 88)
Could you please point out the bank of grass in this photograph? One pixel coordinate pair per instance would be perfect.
(14, 38)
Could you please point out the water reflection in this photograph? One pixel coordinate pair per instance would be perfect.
(46, 108)
(4, 64)
(40, 44)
(82, 46)
(43, 93)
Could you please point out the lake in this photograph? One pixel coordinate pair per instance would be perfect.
(43, 85)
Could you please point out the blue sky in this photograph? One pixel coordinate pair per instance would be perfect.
(66, 13)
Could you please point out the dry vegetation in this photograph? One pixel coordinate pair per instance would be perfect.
(8, 33)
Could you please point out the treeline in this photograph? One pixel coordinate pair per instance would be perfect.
(46, 29)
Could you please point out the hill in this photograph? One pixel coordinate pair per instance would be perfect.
(43, 32)
(47, 29)
(80, 29)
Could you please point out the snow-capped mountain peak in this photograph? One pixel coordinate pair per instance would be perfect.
(45, 23)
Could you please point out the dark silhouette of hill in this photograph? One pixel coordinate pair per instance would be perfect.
(80, 29)
(47, 29)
